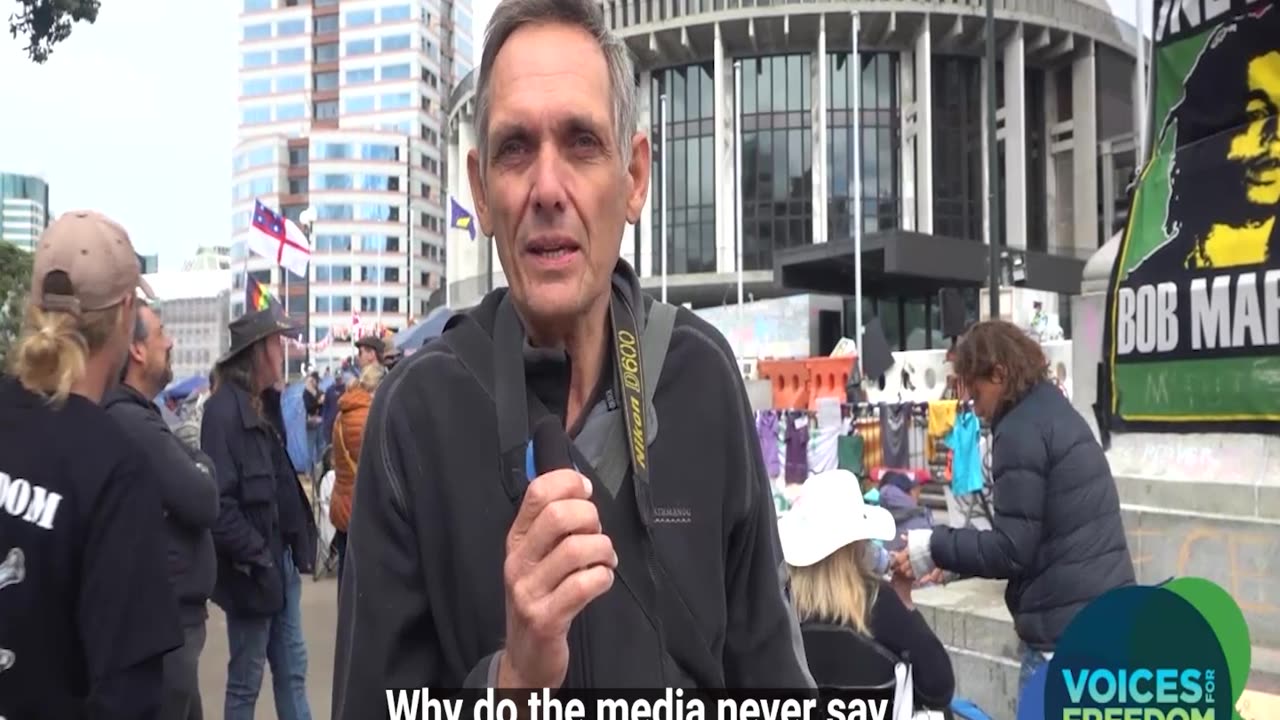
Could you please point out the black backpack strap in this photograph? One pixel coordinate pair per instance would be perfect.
(684, 638)
(474, 349)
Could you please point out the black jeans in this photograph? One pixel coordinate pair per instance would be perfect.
(181, 699)
(340, 547)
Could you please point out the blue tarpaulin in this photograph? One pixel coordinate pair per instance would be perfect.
(295, 426)
(413, 338)
(180, 389)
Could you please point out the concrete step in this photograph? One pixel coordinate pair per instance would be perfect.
(1227, 532)
(1239, 553)
(988, 681)
(1254, 498)
(970, 618)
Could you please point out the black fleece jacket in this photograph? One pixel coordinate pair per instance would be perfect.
(189, 494)
(422, 604)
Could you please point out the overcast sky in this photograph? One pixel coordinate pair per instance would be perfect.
(135, 115)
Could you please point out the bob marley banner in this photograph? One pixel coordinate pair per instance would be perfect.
(1193, 321)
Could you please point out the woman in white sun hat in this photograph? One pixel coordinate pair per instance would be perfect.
(849, 616)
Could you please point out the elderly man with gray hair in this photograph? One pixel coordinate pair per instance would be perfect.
(539, 504)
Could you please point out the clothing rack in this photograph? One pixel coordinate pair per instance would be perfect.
(913, 449)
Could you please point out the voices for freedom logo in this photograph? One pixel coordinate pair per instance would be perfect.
(1179, 651)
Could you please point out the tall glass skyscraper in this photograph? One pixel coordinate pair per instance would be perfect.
(342, 108)
(24, 209)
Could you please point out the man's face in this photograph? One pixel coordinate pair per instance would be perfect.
(986, 394)
(152, 354)
(552, 188)
(366, 357)
(1257, 145)
(272, 359)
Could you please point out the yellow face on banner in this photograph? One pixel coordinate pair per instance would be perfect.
(1257, 147)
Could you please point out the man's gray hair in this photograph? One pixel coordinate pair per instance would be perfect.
(511, 15)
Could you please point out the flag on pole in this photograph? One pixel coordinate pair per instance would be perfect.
(258, 297)
(277, 237)
(461, 219)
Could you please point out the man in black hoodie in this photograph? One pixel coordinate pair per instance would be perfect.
(190, 499)
(634, 542)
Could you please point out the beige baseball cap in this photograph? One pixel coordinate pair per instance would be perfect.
(96, 256)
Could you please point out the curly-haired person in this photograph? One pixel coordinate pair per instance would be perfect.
(1057, 535)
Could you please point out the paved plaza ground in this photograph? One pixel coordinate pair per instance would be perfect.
(319, 619)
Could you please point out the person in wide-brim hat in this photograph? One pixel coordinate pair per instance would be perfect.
(267, 533)
(252, 327)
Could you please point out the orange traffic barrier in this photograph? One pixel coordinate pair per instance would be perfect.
(828, 377)
(790, 381)
(799, 383)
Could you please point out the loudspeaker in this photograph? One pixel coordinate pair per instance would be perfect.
(877, 358)
(954, 317)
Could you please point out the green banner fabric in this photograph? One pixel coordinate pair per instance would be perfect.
(1193, 313)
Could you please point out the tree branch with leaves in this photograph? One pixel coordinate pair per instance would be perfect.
(15, 285)
(45, 23)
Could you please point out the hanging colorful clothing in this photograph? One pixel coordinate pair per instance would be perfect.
(942, 417)
(895, 435)
(873, 452)
(797, 442)
(849, 454)
(767, 432)
(824, 450)
(966, 469)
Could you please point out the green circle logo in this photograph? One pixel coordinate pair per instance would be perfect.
(1175, 652)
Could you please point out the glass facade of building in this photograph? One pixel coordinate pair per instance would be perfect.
(688, 180)
(24, 209)
(777, 165)
(880, 141)
(958, 201)
(777, 157)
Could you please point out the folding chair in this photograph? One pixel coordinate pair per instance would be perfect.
(865, 665)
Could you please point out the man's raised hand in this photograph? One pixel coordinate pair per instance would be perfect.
(558, 560)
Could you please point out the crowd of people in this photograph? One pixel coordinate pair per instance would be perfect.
(571, 469)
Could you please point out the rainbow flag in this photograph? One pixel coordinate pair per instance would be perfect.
(258, 297)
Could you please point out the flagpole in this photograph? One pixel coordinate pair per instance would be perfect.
(448, 301)
(993, 175)
(662, 206)
(408, 211)
(855, 67)
(284, 276)
(1141, 155)
(737, 177)
(244, 248)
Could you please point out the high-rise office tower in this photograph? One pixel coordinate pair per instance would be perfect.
(24, 209)
(342, 113)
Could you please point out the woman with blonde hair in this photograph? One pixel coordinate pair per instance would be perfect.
(348, 434)
(855, 625)
(82, 564)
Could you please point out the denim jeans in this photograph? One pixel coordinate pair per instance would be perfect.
(1032, 660)
(255, 641)
(315, 448)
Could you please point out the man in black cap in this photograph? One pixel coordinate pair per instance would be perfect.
(265, 532)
